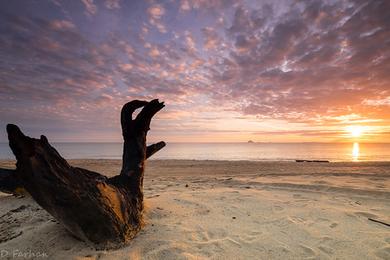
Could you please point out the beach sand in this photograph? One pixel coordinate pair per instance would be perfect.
(228, 210)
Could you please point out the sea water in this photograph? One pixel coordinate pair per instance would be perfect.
(230, 151)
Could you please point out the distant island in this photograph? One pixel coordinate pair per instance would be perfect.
(250, 142)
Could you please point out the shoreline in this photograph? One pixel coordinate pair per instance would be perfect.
(226, 160)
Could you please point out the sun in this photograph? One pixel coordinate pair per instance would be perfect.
(355, 131)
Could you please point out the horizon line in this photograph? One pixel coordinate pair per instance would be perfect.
(242, 142)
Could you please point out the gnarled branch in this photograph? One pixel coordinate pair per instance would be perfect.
(97, 209)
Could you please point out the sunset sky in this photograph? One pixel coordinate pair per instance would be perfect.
(228, 71)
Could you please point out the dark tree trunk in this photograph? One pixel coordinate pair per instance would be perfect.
(94, 208)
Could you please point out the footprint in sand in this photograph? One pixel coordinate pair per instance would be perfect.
(199, 236)
(297, 196)
(307, 251)
(365, 214)
(250, 237)
(326, 240)
(277, 208)
(199, 209)
(383, 253)
(333, 225)
(296, 219)
(170, 253)
(10, 223)
(326, 250)
(157, 213)
(217, 233)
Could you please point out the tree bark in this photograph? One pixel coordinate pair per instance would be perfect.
(104, 211)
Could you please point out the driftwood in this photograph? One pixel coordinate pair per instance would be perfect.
(94, 208)
(318, 161)
(380, 222)
(10, 183)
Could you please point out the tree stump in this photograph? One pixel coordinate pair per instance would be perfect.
(106, 212)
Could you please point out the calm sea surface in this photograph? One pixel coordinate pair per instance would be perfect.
(230, 151)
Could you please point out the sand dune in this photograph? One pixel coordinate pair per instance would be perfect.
(229, 210)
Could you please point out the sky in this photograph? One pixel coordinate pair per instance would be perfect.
(228, 71)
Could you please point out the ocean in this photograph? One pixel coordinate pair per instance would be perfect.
(230, 151)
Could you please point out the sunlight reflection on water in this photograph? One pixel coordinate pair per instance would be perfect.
(355, 152)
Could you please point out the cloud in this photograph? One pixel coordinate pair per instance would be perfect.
(103, 98)
(154, 52)
(156, 11)
(190, 41)
(312, 63)
(306, 62)
(112, 4)
(160, 27)
(205, 5)
(377, 102)
(126, 67)
(185, 5)
(211, 38)
(90, 7)
(62, 25)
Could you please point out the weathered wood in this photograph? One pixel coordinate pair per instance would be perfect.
(316, 161)
(154, 148)
(9, 183)
(379, 221)
(94, 208)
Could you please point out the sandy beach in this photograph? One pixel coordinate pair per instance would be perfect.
(227, 210)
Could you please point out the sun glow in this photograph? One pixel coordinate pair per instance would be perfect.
(355, 131)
